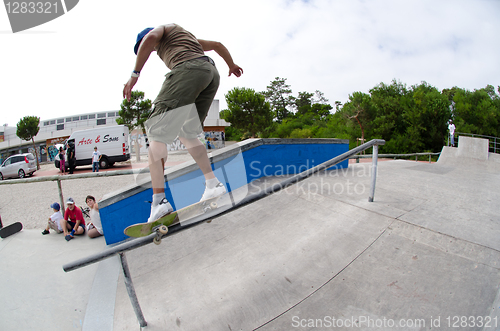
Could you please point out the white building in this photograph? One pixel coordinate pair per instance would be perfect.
(56, 130)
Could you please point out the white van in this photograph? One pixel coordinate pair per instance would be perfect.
(111, 141)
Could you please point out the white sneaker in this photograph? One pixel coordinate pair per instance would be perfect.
(217, 191)
(160, 210)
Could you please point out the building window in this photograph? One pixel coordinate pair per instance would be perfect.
(84, 117)
(61, 120)
(101, 115)
(46, 123)
(113, 114)
(60, 127)
(76, 118)
(52, 122)
(101, 122)
(68, 119)
(91, 116)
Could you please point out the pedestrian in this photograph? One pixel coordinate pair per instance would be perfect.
(451, 128)
(71, 156)
(94, 228)
(73, 221)
(96, 158)
(182, 104)
(62, 160)
(54, 222)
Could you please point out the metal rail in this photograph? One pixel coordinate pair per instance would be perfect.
(59, 178)
(367, 156)
(136, 243)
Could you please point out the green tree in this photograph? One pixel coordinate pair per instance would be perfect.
(390, 102)
(133, 114)
(359, 108)
(304, 102)
(278, 96)
(426, 119)
(477, 111)
(27, 129)
(247, 111)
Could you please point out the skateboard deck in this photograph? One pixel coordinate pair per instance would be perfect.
(160, 226)
(10, 229)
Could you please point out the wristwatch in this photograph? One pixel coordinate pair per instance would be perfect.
(136, 74)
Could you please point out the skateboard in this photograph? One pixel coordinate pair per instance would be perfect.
(160, 226)
(10, 229)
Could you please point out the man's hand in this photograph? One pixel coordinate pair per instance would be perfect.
(235, 70)
(127, 89)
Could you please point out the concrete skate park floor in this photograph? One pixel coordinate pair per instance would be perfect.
(426, 250)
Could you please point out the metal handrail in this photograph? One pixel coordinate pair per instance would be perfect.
(59, 178)
(176, 228)
(251, 198)
(367, 156)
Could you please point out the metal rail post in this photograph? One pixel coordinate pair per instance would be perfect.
(131, 291)
(374, 172)
(61, 198)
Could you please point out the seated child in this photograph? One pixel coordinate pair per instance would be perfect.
(94, 228)
(54, 220)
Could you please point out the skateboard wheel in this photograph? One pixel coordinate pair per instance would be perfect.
(163, 229)
(157, 240)
(213, 205)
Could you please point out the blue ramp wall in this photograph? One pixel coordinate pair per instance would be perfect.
(235, 166)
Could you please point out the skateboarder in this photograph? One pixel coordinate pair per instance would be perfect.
(182, 104)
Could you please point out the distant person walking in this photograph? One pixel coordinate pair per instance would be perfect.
(62, 160)
(451, 128)
(71, 156)
(96, 158)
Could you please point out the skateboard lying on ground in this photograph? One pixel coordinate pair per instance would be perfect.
(160, 226)
(10, 229)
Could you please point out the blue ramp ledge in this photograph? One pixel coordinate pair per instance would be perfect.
(235, 166)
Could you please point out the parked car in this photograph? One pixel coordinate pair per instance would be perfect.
(20, 165)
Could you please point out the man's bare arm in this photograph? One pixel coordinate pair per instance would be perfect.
(223, 52)
(148, 44)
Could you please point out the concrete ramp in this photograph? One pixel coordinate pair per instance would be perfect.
(471, 152)
(318, 253)
(424, 255)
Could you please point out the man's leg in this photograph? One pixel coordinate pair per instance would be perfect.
(213, 188)
(199, 154)
(157, 154)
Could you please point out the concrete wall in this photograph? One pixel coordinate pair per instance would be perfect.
(235, 166)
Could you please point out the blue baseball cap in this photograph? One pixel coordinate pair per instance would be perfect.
(139, 38)
(55, 206)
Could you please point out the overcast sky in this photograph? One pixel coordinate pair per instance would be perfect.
(79, 62)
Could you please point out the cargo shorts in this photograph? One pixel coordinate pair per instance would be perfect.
(183, 102)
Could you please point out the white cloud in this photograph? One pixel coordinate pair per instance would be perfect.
(338, 47)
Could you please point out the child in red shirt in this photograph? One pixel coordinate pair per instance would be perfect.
(73, 221)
